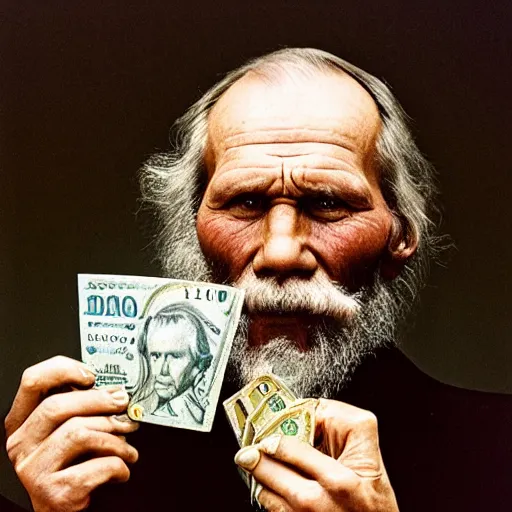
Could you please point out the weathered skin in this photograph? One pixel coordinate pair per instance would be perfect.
(274, 153)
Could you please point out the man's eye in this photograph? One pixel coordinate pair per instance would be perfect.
(251, 202)
(156, 355)
(327, 208)
(327, 203)
(248, 205)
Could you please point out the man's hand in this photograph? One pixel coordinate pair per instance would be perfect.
(344, 472)
(66, 444)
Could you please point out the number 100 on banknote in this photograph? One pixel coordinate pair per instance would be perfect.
(167, 341)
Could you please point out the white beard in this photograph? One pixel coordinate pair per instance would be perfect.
(359, 324)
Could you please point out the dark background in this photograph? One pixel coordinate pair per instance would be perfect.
(88, 90)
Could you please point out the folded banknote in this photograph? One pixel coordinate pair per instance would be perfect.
(166, 341)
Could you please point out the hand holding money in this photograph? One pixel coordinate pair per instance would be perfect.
(46, 433)
(343, 471)
(66, 438)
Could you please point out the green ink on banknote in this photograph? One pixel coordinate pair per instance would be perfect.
(276, 403)
(289, 427)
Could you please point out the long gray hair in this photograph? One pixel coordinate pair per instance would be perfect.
(174, 181)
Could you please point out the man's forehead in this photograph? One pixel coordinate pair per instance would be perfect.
(319, 107)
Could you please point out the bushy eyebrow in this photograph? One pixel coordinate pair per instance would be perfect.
(349, 186)
(245, 180)
(334, 183)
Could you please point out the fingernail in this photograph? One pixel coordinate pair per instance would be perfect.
(86, 373)
(270, 444)
(124, 418)
(248, 458)
(119, 396)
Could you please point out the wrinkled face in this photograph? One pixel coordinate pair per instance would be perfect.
(293, 186)
(170, 357)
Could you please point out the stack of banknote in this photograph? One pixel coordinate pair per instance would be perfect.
(267, 407)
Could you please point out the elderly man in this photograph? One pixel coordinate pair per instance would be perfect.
(297, 179)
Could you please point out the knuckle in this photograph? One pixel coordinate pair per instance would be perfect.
(60, 502)
(57, 501)
(51, 407)
(11, 447)
(334, 483)
(74, 423)
(119, 469)
(31, 379)
(84, 502)
(366, 419)
(77, 435)
(341, 486)
(309, 496)
(60, 361)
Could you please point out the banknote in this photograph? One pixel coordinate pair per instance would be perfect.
(264, 412)
(298, 420)
(166, 341)
(242, 404)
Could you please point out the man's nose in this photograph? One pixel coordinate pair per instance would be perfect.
(284, 249)
(166, 366)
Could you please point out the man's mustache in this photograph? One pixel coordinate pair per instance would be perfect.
(317, 295)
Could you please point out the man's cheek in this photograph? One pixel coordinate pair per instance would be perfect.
(226, 239)
(350, 249)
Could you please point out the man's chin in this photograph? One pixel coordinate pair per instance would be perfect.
(165, 394)
(281, 356)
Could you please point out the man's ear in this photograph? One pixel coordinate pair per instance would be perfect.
(402, 244)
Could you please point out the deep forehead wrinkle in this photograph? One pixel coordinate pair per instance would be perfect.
(290, 135)
(290, 155)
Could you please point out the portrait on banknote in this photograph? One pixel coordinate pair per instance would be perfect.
(175, 353)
